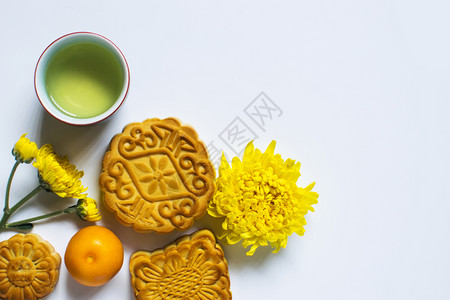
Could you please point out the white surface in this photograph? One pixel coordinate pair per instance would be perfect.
(364, 89)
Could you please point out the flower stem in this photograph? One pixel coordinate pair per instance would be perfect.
(68, 210)
(8, 186)
(25, 199)
(9, 212)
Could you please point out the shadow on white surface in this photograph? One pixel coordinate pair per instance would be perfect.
(78, 291)
(67, 138)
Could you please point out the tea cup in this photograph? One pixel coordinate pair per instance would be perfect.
(82, 78)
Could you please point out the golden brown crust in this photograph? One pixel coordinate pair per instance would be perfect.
(193, 267)
(156, 176)
(29, 267)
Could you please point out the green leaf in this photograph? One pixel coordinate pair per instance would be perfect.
(26, 226)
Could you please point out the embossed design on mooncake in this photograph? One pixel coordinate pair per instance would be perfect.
(29, 267)
(157, 176)
(194, 267)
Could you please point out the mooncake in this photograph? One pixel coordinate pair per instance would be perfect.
(156, 176)
(194, 267)
(29, 267)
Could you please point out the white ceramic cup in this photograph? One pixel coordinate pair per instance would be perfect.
(71, 39)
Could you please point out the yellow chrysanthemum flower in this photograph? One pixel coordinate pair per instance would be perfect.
(259, 199)
(58, 175)
(25, 150)
(87, 210)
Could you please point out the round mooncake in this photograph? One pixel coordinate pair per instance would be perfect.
(29, 267)
(157, 176)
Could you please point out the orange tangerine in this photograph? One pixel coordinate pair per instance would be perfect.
(94, 255)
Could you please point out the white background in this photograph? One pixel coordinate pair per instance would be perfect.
(364, 89)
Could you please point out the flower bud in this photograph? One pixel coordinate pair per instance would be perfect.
(24, 150)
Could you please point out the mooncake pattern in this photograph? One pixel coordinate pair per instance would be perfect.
(29, 267)
(157, 176)
(193, 267)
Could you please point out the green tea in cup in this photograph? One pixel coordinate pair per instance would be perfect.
(82, 78)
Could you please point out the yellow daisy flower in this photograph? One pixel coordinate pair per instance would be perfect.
(259, 200)
(87, 210)
(58, 175)
(25, 150)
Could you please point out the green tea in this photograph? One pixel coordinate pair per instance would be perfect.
(84, 80)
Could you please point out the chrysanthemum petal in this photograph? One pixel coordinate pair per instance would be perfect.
(249, 150)
(271, 148)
